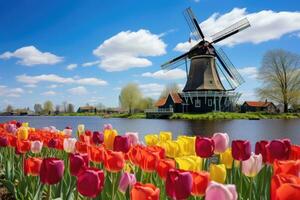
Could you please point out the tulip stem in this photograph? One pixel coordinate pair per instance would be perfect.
(48, 197)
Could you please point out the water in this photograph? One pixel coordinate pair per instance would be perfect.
(252, 130)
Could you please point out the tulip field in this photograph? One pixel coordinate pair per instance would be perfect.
(48, 163)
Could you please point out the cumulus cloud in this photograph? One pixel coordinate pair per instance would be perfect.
(59, 79)
(151, 89)
(30, 56)
(30, 85)
(185, 46)
(248, 72)
(129, 49)
(265, 25)
(49, 93)
(166, 75)
(52, 86)
(10, 92)
(80, 90)
(71, 66)
(93, 63)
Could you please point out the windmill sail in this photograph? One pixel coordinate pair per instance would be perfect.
(192, 22)
(174, 63)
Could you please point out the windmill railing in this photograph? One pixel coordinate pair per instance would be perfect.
(208, 93)
(159, 110)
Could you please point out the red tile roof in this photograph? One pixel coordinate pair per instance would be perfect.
(258, 103)
(175, 97)
(161, 102)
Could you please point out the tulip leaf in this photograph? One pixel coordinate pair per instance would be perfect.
(39, 192)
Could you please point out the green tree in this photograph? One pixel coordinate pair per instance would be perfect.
(170, 88)
(48, 107)
(130, 97)
(146, 103)
(280, 76)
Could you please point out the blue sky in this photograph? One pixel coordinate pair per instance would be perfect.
(85, 51)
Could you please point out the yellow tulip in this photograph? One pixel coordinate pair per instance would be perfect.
(218, 172)
(151, 139)
(187, 145)
(191, 163)
(165, 135)
(25, 124)
(22, 133)
(109, 138)
(227, 159)
(172, 149)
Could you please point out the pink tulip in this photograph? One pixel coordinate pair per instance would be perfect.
(126, 180)
(221, 141)
(133, 137)
(252, 166)
(107, 127)
(36, 146)
(11, 128)
(221, 192)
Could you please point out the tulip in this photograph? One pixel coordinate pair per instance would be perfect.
(25, 124)
(3, 141)
(200, 182)
(260, 148)
(78, 162)
(11, 128)
(97, 137)
(88, 132)
(279, 149)
(90, 182)
(163, 167)
(32, 166)
(295, 152)
(151, 139)
(67, 131)
(287, 167)
(107, 127)
(226, 158)
(179, 184)
(12, 140)
(109, 137)
(23, 146)
(36, 146)
(241, 149)
(52, 171)
(96, 153)
(22, 133)
(113, 161)
(144, 192)
(69, 145)
(204, 147)
(81, 147)
(133, 138)
(288, 191)
(165, 136)
(187, 145)
(53, 143)
(221, 141)
(135, 154)
(18, 124)
(221, 192)
(80, 129)
(126, 180)
(217, 172)
(189, 163)
(252, 166)
(279, 180)
(121, 143)
(149, 160)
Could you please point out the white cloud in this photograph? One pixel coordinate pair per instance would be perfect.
(128, 49)
(49, 93)
(248, 72)
(265, 25)
(58, 79)
(80, 90)
(30, 86)
(30, 56)
(88, 64)
(94, 100)
(10, 92)
(151, 89)
(71, 66)
(166, 75)
(52, 86)
(185, 46)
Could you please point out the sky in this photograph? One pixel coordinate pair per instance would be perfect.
(86, 51)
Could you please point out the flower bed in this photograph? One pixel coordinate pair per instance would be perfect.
(48, 163)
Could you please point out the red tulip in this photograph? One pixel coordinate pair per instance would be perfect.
(90, 182)
(135, 154)
(97, 137)
(295, 152)
(179, 184)
(32, 166)
(52, 171)
(12, 140)
(53, 143)
(241, 150)
(23, 146)
(287, 167)
(200, 182)
(81, 147)
(279, 180)
(113, 161)
(204, 147)
(144, 192)
(260, 148)
(279, 149)
(149, 160)
(96, 153)
(288, 191)
(163, 167)
(121, 143)
(88, 132)
(78, 162)
(3, 141)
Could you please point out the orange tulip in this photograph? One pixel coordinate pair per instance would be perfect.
(96, 153)
(32, 166)
(200, 182)
(81, 147)
(23, 146)
(149, 160)
(163, 167)
(135, 155)
(295, 152)
(279, 180)
(287, 167)
(144, 192)
(114, 161)
(288, 191)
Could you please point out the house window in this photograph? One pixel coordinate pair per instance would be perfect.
(209, 102)
(197, 103)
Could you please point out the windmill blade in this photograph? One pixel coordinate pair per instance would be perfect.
(176, 62)
(229, 67)
(231, 30)
(192, 22)
(232, 84)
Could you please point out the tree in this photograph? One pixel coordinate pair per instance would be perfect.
(130, 97)
(70, 108)
(65, 106)
(280, 76)
(48, 107)
(170, 88)
(38, 108)
(9, 109)
(146, 103)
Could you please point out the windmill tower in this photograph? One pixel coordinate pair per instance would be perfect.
(204, 91)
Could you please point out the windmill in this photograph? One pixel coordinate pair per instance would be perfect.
(204, 91)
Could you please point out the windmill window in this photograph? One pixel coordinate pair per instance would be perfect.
(197, 103)
(209, 102)
(211, 82)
